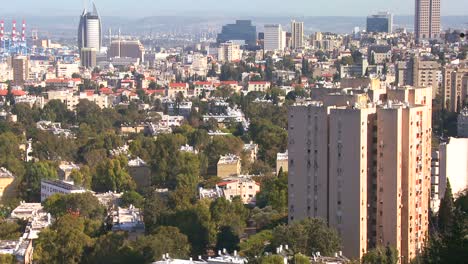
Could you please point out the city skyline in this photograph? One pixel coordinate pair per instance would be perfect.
(184, 8)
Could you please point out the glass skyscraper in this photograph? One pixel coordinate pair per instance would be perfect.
(242, 30)
(90, 30)
(381, 22)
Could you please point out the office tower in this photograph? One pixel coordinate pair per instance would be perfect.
(380, 22)
(20, 65)
(228, 52)
(275, 38)
(242, 30)
(90, 30)
(127, 49)
(365, 169)
(88, 57)
(455, 86)
(427, 20)
(297, 34)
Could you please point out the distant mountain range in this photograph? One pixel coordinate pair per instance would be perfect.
(66, 26)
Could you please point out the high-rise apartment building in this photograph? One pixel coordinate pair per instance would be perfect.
(419, 73)
(427, 20)
(127, 49)
(455, 86)
(20, 65)
(365, 169)
(228, 52)
(88, 57)
(275, 38)
(297, 34)
(242, 30)
(380, 22)
(90, 30)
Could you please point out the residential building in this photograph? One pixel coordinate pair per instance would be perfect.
(127, 49)
(378, 54)
(297, 34)
(453, 156)
(51, 187)
(66, 70)
(251, 149)
(282, 162)
(127, 219)
(427, 20)
(242, 30)
(418, 73)
(229, 165)
(258, 86)
(462, 123)
(435, 180)
(65, 169)
(455, 86)
(275, 38)
(88, 57)
(20, 65)
(229, 52)
(6, 179)
(365, 169)
(176, 88)
(381, 22)
(242, 186)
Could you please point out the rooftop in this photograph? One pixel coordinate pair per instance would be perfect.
(229, 159)
(4, 173)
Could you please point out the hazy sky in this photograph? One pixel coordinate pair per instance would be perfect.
(140, 8)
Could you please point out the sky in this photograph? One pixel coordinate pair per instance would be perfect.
(143, 8)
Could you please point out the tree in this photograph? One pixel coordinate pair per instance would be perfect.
(7, 259)
(272, 259)
(383, 255)
(156, 211)
(301, 259)
(446, 210)
(113, 248)
(132, 198)
(164, 240)
(84, 204)
(30, 185)
(274, 193)
(232, 214)
(64, 242)
(112, 175)
(307, 237)
(10, 230)
(227, 239)
(255, 246)
(82, 177)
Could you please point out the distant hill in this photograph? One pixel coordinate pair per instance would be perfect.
(66, 26)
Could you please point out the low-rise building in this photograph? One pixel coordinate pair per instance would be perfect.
(6, 179)
(229, 165)
(243, 186)
(252, 151)
(282, 162)
(65, 169)
(51, 187)
(176, 88)
(259, 86)
(127, 219)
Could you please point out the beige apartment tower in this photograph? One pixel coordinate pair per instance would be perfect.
(427, 20)
(455, 86)
(20, 69)
(365, 169)
(297, 34)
